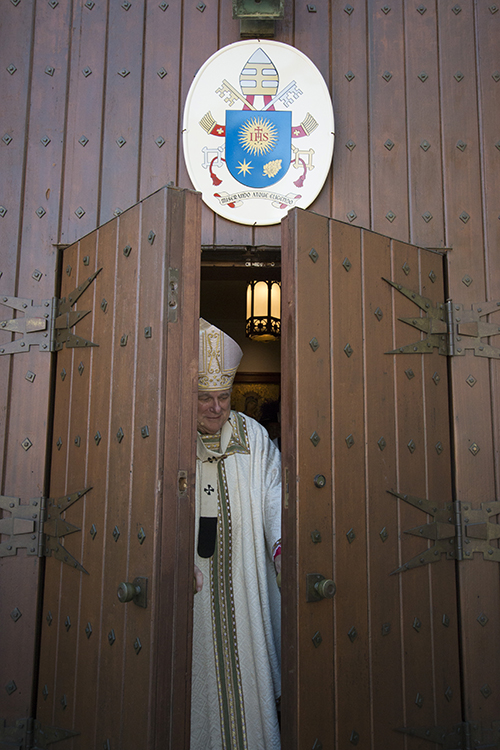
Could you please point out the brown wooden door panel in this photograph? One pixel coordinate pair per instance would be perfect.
(387, 656)
(107, 667)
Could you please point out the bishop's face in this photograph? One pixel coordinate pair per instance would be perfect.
(213, 410)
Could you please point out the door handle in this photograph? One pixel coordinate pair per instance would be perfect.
(319, 587)
(136, 592)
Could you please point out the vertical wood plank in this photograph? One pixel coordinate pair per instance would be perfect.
(160, 109)
(308, 634)
(121, 132)
(199, 42)
(423, 125)
(381, 510)
(352, 667)
(350, 106)
(83, 142)
(388, 138)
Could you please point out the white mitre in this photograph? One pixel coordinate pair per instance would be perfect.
(220, 356)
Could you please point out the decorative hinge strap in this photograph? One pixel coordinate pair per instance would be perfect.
(467, 735)
(458, 530)
(46, 325)
(38, 528)
(450, 327)
(29, 734)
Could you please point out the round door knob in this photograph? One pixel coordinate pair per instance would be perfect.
(326, 588)
(127, 592)
(320, 480)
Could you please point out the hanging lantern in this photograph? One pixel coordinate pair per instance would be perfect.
(263, 310)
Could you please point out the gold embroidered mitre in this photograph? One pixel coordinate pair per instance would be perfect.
(220, 356)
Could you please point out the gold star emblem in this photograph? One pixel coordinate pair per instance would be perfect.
(244, 168)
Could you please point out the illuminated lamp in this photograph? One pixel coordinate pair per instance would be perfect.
(263, 310)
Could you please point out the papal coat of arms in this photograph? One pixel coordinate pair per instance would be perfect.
(258, 131)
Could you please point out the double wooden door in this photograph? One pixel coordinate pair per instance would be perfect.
(368, 503)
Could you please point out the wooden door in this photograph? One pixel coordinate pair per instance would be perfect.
(367, 457)
(114, 672)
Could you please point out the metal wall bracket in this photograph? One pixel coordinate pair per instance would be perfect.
(450, 327)
(29, 734)
(38, 528)
(457, 530)
(468, 735)
(46, 325)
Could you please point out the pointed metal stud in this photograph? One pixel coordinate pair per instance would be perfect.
(111, 637)
(448, 694)
(349, 441)
(347, 265)
(348, 9)
(348, 350)
(482, 619)
(87, 72)
(313, 254)
(384, 534)
(351, 536)
(352, 215)
(314, 344)
(474, 449)
(387, 75)
(486, 690)
(93, 531)
(378, 314)
(411, 446)
(80, 212)
(409, 373)
(353, 634)
(116, 533)
(88, 630)
(137, 646)
(83, 141)
(389, 144)
(425, 145)
(390, 216)
(381, 443)
(11, 69)
(350, 145)
(471, 380)
(350, 75)
(315, 438)
(423, 76)
(439, 447)
(317, 639)
(160, 142)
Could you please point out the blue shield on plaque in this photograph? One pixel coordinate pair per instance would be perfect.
(258, 146)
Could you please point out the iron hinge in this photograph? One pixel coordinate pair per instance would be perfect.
(38, 528)
(450, 327)
(458, 530)
(46, 325)
(467, 735)
(29, 734)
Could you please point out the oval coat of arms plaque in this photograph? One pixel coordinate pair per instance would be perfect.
(258, 131)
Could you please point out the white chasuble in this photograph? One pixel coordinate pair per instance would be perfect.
(236, 634)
